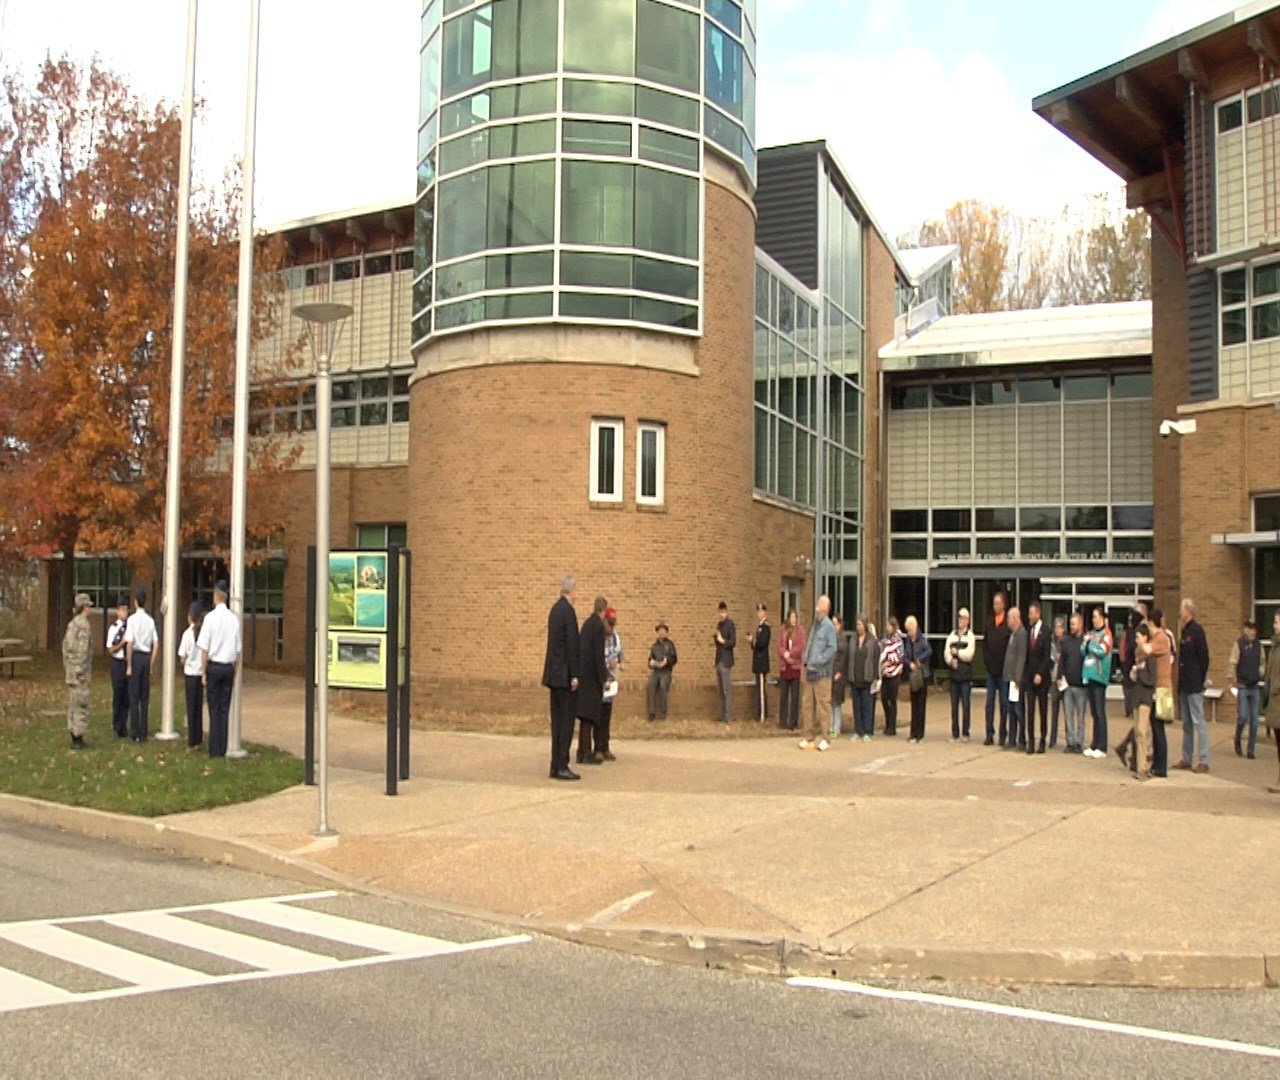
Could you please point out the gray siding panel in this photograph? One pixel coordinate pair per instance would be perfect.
(1202, 334)
(787, 211)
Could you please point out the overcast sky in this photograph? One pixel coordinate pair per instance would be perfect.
(924, 101)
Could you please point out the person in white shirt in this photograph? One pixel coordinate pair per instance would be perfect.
(140, 643)
(219, 645)
(119, 680)
(193, 676)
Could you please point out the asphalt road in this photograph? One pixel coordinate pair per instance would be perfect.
(537, 1008)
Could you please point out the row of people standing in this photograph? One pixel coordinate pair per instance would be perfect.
(209, 653)
(861, 668)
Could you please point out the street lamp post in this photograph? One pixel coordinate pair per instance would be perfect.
(324, 325)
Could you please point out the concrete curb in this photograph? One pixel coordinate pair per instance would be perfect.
(718, 949)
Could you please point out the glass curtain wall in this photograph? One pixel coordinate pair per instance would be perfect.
(802, 402)
(559, 174)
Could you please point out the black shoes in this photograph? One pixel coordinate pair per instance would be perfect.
(565, 774)
(1040, 748)
(988, 741)
(77, 742)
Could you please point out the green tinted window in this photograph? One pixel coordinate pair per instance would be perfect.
(518, 306)
(600, 36)
(499, 41)
(519, 271)
(1085, 388)
(461, 225)
(585, 306)
(667, 45)
(665, 313)
(522, 140)
(597, 137)
(600, 98)
(594, 268)
(664, 108)
(673, 279)
(521, 204)
(460, 279)
(667, 218)
(429, 74)
(598, 204)
(466, 150)
(668, 149)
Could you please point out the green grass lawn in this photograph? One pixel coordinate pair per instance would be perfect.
(149, 779)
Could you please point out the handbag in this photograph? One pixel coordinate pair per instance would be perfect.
(1164, 703)
(916, 680)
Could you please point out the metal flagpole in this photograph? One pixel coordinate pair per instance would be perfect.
(177, 382)
(244, 306)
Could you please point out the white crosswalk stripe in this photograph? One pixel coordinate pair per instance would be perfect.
(64, 941)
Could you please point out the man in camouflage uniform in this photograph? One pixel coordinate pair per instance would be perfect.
(77, 659)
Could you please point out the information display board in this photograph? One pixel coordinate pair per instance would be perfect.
(357, 631)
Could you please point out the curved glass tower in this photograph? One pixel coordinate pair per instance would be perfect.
(560, 157)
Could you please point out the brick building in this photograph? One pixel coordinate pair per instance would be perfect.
(1191, 125)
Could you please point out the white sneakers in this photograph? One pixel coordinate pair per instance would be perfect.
(1094, 753)
(824, 745)
(805, 744)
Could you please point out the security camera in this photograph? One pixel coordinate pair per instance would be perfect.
(1177, 427)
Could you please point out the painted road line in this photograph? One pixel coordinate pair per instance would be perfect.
(246, 949)
(879, 763)
(333, 927)
(1038, 1015)
(620, 908)
(22, 991)
(71, 920)
(87, 952)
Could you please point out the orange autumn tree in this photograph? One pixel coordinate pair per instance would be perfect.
(88, 225)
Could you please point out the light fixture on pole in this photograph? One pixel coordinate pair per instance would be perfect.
(177, 382)
(324, 325)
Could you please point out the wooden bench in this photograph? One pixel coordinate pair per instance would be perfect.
(13, 662)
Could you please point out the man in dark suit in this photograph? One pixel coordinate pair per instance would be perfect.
(593, 677)
(560, 676)
(1037, 676)
(760, 638)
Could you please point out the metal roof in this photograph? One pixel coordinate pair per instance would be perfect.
(920, 262)
(1041, 335)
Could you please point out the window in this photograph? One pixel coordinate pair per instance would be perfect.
(993, 393)
(951, 521)
(1086, 388)
(1230, 116)
(499, 41)
(909, 521)
(1003, 519)
(1037, 391)
(382, 535)
(724, 63)
(598, 204)
(606, 461)
(599, 36)
(264, 588)
(1133, 518)
(1040, 518)
(909, 397)
(1245, 288)
(104, 580)
(952, 395)
(667, 45)
(651, 452)
(1266, 567)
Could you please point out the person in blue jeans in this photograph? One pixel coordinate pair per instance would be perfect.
(995, 643)
(1193, 675)
(864, 670)
(1246, 678)
(1098, 645)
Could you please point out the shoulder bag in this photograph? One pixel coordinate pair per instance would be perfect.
(1164, 703)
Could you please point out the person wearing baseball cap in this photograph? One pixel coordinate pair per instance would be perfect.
(77, 663)
(662, 658)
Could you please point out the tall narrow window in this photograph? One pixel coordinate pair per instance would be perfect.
(651, 452)
(606, 461)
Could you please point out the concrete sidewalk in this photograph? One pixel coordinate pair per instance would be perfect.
(874, 859)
